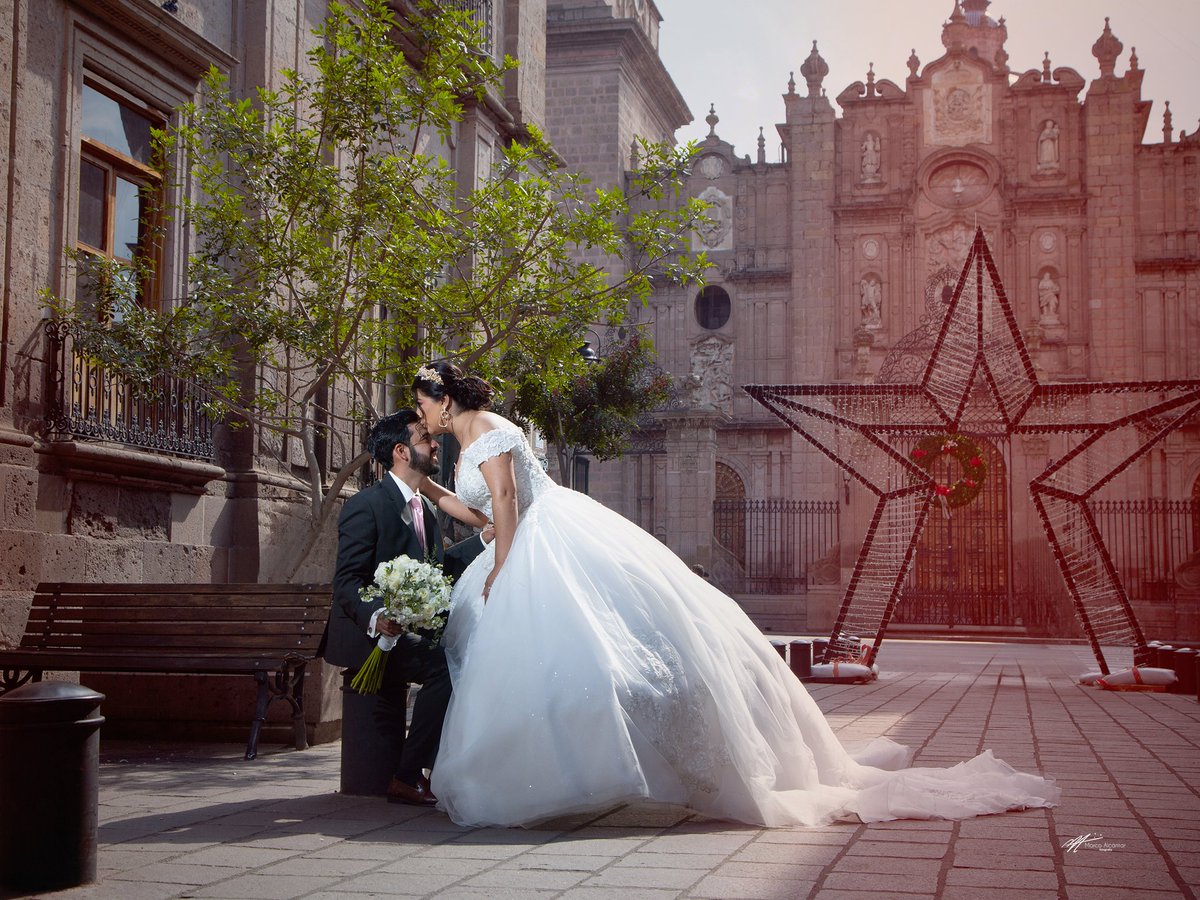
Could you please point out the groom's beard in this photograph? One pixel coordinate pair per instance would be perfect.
(423, 463)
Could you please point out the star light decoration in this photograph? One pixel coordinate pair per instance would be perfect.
(980, 381)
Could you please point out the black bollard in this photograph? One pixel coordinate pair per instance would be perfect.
(800, 659)
(1163, 657)
(819, 645)
(371, 742)
(49, 785)
(780, 648)
(1185, 671)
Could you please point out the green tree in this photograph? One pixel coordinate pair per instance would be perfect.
(334, 247)
(592, 407)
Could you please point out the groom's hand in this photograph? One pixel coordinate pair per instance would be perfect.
(488, 534)
(388, 627)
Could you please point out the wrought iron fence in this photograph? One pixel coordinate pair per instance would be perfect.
(776, 542)
(1148, 540)
(87, 400)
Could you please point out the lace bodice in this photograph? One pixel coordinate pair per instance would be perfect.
(532, 481)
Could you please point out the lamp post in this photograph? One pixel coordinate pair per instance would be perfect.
(579, 460)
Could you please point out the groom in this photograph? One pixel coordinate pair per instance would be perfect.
(379, 523)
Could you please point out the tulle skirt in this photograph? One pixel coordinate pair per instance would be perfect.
(602, 670)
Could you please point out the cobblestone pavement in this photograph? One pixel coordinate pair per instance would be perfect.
(198, 821)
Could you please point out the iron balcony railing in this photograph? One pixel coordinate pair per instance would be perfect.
(483, 13)
(90, 402)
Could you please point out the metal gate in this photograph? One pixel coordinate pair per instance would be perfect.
(961, 572)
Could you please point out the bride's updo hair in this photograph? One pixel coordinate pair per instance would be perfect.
(442, 379)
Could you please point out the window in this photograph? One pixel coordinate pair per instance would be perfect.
(712, 307)
(120, 192)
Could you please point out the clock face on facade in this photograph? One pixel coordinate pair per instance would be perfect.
(958, 183)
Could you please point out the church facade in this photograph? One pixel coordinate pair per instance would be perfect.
(832, 264)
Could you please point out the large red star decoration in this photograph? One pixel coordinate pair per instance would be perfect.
(981, 382)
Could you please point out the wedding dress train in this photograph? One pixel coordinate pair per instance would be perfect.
(602, 669)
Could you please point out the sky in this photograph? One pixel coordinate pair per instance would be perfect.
(738, 54)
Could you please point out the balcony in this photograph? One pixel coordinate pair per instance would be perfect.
(91, 403)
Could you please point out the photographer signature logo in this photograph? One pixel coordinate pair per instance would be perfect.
(1090, 841)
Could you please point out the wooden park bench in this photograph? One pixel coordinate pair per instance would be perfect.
(268, 631)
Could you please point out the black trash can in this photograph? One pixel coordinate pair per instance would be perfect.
(49, 785)
(371, 743)
(800, 658)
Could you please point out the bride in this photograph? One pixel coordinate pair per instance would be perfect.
(591, 666)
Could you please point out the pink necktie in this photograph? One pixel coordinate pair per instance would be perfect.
(418, 517)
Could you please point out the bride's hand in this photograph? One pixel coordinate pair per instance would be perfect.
(487, 585)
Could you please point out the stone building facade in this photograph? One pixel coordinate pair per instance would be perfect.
(830, 256)
(85, 494)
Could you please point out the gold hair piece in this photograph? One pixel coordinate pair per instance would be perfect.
(427, 374)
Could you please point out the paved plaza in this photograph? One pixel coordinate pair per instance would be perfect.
(198, 821)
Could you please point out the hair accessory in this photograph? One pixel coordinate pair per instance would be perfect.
(427, 374)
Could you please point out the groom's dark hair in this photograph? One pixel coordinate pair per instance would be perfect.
(388, 432)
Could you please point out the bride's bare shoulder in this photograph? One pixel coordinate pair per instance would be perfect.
(489, 421)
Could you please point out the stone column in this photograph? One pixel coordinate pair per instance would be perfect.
(691, 444)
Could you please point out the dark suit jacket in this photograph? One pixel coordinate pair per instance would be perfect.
(372, 529)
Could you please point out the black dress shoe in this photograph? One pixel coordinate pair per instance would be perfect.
(414, 795)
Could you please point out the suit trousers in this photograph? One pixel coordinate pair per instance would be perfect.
(414, 660)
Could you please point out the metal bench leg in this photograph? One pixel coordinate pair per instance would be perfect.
(298, 726)
(260, 714)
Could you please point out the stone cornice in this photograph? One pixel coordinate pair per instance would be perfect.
(82, 461)
(623, 40)
(161, 33)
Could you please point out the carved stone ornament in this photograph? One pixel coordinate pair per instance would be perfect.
(711, 379)
(958, 108)
(870, 248)
(1048, 240)
(717, 234)
(711, 167)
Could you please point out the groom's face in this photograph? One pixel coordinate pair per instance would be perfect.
(422, 451)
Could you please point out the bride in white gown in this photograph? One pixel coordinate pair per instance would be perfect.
(591, 666)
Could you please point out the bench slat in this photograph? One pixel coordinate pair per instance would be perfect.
(198, 601)
(84, 661)
(180, 614)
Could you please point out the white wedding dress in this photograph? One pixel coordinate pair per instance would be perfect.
(602, 670)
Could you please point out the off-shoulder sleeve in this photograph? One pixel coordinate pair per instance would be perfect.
(493, 443)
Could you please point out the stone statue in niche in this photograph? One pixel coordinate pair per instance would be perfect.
(711, 380)
(1047, 147)
(1048, 300)
(870, 157)
(871, 302)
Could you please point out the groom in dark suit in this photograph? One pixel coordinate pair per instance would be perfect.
(379, 523)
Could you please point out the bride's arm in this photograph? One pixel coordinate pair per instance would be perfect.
(448, 502)
(502, 483)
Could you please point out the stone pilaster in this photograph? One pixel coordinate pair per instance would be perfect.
(691, 487)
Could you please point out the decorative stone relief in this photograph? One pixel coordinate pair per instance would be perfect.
(949, 247)
(870, 158)
(958, 108)
(1047, 147)
(711, 167)
(1047, 240)
(870, 248)
(871, 302)
(717, 234)
(711, 381)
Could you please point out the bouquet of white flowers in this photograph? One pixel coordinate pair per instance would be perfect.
(415, 594)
